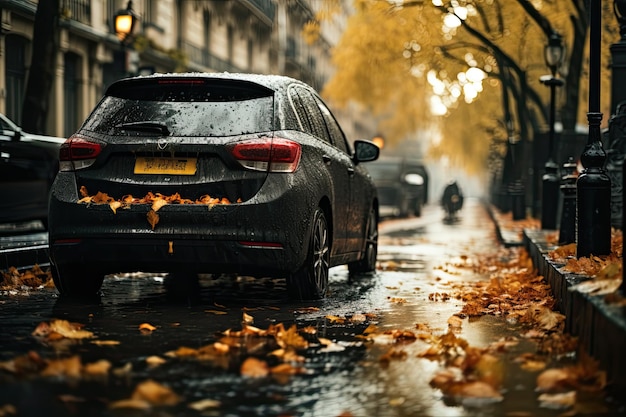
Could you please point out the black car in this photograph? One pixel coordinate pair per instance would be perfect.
(402, 186)
(212, 173)
(28, 165)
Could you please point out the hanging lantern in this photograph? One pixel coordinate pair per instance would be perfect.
(125, 22)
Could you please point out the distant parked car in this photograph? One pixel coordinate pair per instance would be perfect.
(28, 165)
(402, 186)
(212, 173)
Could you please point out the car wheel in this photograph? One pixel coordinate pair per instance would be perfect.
(418, 209)
(404, 209)
(367, 263)
(310, 282)
(76, 282)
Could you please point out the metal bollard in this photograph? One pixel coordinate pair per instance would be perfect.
(550, 196)
(518, 203)
(593, 201)
(567, 231)
(622, 286)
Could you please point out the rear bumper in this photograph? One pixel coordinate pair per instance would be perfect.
(158, 254)
(254, 237)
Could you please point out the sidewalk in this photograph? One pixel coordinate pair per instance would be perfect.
(599, 326)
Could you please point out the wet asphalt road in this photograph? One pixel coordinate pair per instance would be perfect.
(345, 378)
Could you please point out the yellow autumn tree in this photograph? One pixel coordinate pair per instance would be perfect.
(402, 59)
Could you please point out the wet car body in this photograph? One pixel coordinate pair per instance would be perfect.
(28, 165)
(309, 207)
(402, 185)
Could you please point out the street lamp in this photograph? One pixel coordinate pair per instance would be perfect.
(125, 21)
(124, 26)
(593, 186)
(619, 7)
(553, 54)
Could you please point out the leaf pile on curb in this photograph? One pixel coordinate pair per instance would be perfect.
(602, 274)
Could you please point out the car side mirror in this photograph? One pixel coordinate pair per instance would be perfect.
(365, 151)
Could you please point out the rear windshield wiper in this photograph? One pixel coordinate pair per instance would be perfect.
(148, 127)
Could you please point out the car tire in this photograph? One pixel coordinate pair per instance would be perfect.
(367, 263)
(404, 209)
(418, 209)
(310, 282)
(73, 281)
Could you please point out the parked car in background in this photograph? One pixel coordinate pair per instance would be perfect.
(212, 173)
(28, 165)
(402, 185)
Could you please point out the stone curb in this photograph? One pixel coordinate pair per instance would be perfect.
(600, 327)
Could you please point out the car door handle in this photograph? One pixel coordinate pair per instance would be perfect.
(351, 172)
(5, 156)
(326, 159)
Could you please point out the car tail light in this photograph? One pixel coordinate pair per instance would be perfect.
(268, 154)
(77, 153)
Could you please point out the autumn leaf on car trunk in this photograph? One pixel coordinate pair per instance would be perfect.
(115, 205)
(153, 218)
(158, 203)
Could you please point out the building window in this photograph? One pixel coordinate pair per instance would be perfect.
(149, 11)
(207, 30)
(15, 76)
(250, 54)
(231, 41)
(70, 93)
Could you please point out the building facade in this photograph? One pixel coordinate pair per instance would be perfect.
(260, 36)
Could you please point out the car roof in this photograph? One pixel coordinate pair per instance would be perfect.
(270, 81)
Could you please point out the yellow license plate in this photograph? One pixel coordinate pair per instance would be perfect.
(159, 165)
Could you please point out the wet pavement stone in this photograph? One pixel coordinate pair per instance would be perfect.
(600, 326)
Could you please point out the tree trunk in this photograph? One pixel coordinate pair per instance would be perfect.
(42, 67)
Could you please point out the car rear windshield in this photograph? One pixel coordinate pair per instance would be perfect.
(193, 107)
